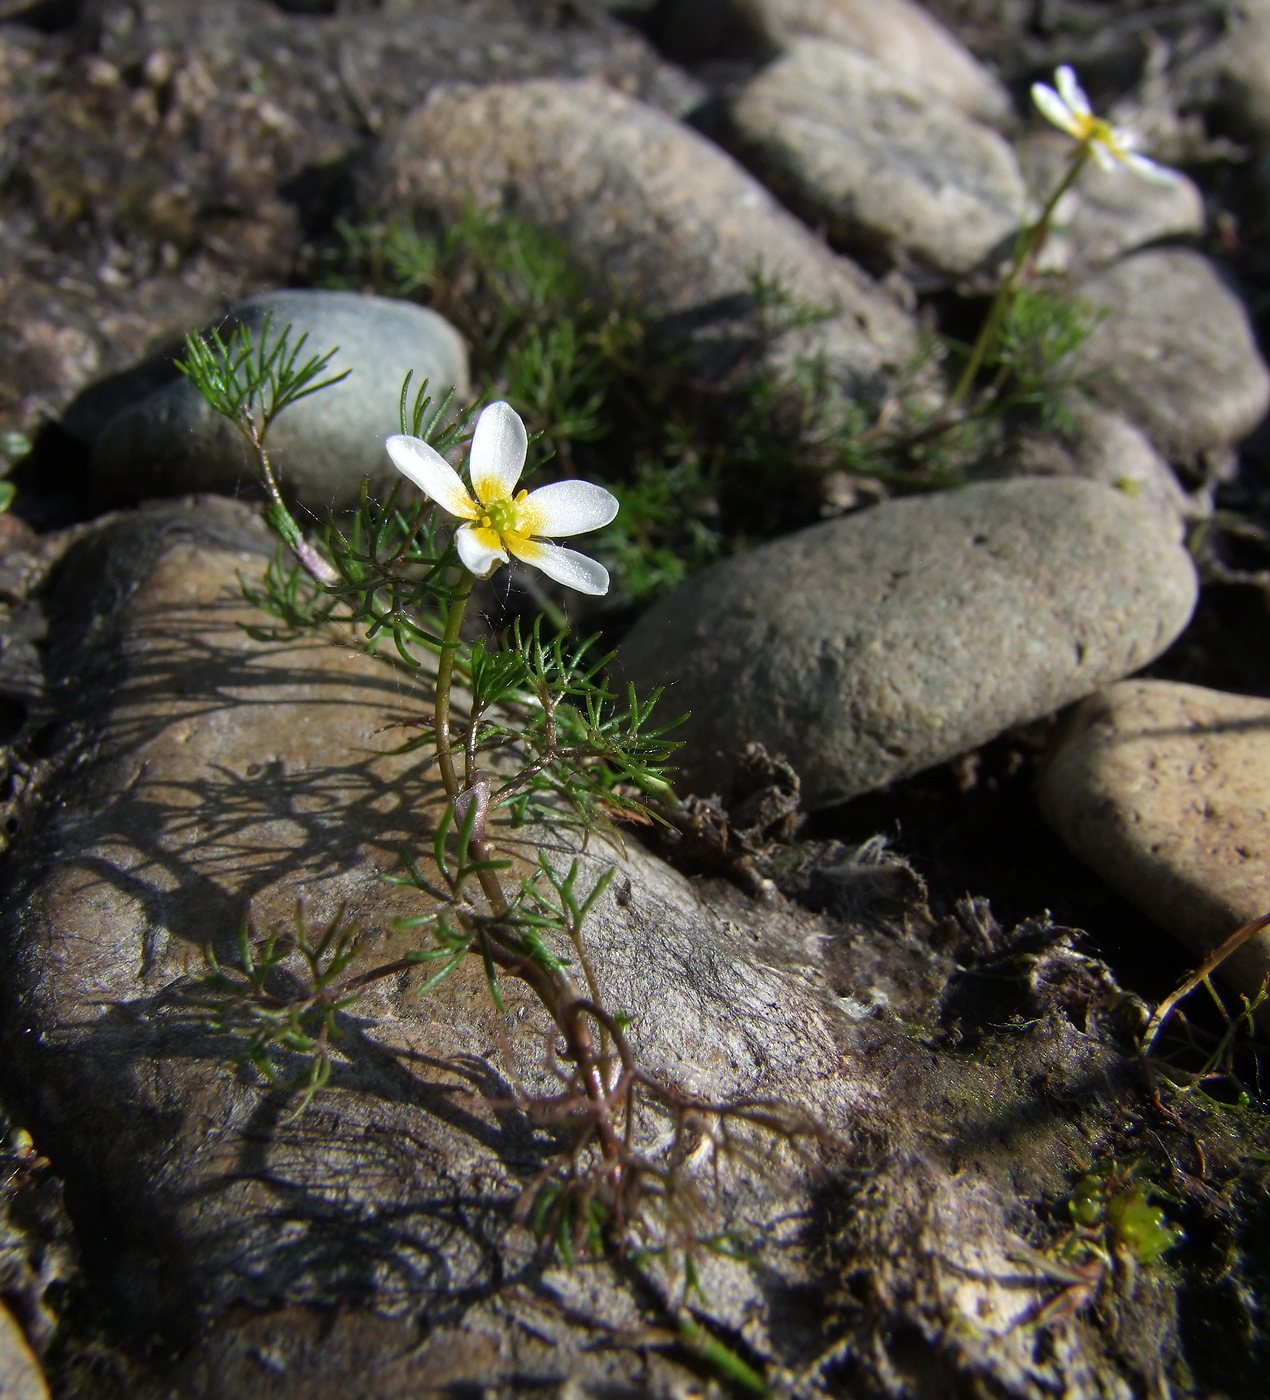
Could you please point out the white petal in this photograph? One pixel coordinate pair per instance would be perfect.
(1054, 109)
(1071, 91)
(431, 473)
(477, 553)
(568, 508)
(566, 566)
(1149, 170)
(1104, 155)
(498, 453)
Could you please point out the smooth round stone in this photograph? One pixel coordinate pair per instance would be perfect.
(1175, 352)
(650, 207)
(170, 443)
(1098, 444)
(878, 161)
(870, 647)
(899, 33)
(1164, 790)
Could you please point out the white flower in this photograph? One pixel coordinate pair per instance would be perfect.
(1110, 146)
(499, 524)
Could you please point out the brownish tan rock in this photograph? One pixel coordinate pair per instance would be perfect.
(20, 1375)
(208, 775)
(1164, 790)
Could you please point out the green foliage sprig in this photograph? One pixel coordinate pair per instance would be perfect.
(703, 467)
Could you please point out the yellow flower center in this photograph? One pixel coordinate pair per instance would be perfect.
(500, 516)
(1096, 130)
(506, 517)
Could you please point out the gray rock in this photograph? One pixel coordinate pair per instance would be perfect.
(1161, 788)
(199, 220)
(1174, 352)
(870, 647)
(899, 33)
(1108, 212)
(1097, 444)
(170, 443)
(875, 160)
(1228, 76)
(642, 200)
(366, 1247)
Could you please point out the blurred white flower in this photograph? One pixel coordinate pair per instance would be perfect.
(1111, 146)
(498, 523)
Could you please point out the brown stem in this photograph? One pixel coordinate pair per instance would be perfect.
(555, 989)
(1205, 970)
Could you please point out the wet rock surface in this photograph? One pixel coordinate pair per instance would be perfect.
(171, 443)
(1161, 788)
(870, 157)
(871, 647)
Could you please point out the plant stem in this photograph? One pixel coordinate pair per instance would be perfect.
(558, 991)
(445, 677)
(282, 519)
(1029, 245)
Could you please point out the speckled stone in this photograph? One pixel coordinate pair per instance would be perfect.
(870, 647)
(1175, 352)
(1098, 444)
(1164, 790)
(877, 161)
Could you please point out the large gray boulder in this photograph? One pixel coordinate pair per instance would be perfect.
(651, 206)
(870, 647)
(171, 443)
